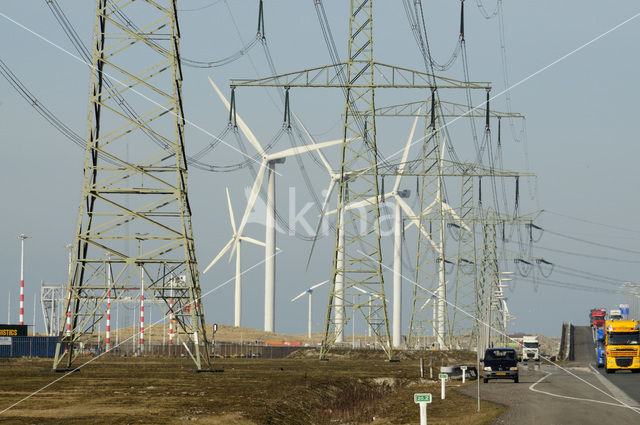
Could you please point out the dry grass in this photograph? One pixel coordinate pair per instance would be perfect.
(352, 387)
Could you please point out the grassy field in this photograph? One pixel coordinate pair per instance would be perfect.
(353, 387)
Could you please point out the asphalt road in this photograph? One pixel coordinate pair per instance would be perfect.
(626, 381)
(575, 393)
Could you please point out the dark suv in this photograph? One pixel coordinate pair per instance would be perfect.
(500, 363)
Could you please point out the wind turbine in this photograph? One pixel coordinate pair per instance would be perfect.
(400, 206)
(269, 160)
(372, 295)
(439, 248)
(334, 177)
(309, 291)
(237, 238)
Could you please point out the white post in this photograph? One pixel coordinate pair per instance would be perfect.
(442, 386)
(339, 284)
(309, 324)
(397, 277)
(238, 293)
(270, 250)
(422, 400)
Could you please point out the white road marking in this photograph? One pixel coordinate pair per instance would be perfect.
(531, 387)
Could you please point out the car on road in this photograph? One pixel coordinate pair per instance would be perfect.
(500, 363)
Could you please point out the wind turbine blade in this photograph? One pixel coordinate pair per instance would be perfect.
(220, 254)
(251, 240)
(364, 203)
(298, 296)
(455, 215)
(255, 190)
(231, 217)
(243, 127)
(317, 285)
(320, 154)
(332, 184)
(302, 149)
(357, 288)
(413, 220)
(405, 154)
(425, 304)
(429, 208)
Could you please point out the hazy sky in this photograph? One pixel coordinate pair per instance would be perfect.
(580, 135)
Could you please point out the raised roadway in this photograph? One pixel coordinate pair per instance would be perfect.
(575, 392)
(628, 382)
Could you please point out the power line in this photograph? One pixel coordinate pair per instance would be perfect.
(624, 229)
(597, 257)
(631, 251)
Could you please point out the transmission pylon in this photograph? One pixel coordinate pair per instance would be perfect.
(442, 307)
(135, 181)
(357, 281)
(488, 281)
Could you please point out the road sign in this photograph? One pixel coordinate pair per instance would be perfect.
(422, 398)
(443, 376)
(463, 368)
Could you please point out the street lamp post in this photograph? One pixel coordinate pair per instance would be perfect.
(139, 237)
(22, 237)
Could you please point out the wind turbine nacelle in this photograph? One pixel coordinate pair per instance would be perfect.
(278, 161)
(404, 193)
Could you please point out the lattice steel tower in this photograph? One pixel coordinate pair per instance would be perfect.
(357, 280)
(134, 234)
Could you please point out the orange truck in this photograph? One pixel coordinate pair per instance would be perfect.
(622, 345)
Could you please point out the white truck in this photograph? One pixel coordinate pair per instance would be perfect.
(615, 314)
(530, 348)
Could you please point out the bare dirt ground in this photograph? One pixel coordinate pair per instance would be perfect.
(358, 387)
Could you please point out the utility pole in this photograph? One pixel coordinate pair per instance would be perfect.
(135, 177)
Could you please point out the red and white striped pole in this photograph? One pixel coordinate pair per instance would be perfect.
(69, 313)
(139, 237)
(171, 320)
(142, 321)
(70, 248)
(108, 346)
(22, 237)
(108, 333)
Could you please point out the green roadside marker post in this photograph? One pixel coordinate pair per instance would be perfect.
(464, 372)
(443, 377)
(422, 399)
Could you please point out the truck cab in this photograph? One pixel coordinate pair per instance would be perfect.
(615, 314)
(622, 345)
(500, 363)
(530, 348)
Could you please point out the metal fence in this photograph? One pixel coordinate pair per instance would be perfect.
(218, 349)
(28, 346)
